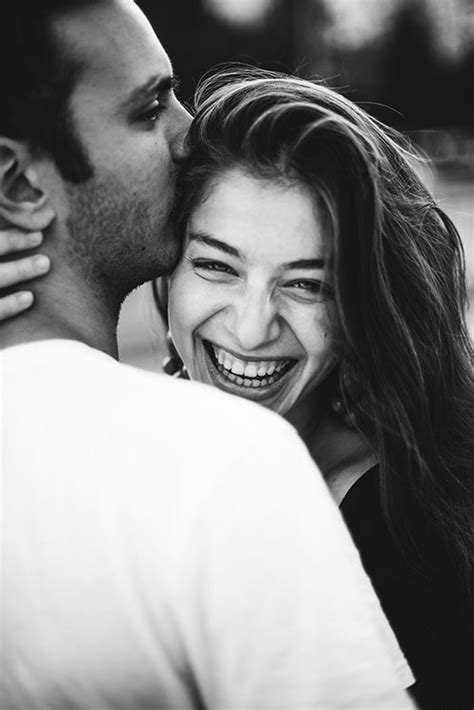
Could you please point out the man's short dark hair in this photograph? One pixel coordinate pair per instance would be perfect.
(38, 75)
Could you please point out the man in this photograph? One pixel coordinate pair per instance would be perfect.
(115, 129)
(163, 546)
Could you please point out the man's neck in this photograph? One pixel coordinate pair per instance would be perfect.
(66, 308)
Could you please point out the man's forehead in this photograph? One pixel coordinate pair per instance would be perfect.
(114, 44)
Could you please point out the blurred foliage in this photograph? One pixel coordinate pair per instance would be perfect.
(406, 70)
(196, 41)
(403, 69)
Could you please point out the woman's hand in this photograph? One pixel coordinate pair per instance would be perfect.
(20, 270)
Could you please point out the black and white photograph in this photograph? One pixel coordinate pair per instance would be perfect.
(237, 355)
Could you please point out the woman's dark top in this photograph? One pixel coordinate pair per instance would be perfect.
(427, 616)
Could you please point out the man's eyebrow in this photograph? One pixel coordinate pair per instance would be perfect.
(204, 238)
(154, 85)
(305, 264)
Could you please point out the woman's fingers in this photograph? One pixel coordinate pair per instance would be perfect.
(16, 303)
(12, 240)
(14, 272)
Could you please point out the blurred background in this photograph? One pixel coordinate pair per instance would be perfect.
(410, 63)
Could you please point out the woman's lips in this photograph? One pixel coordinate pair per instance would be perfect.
(250, 378)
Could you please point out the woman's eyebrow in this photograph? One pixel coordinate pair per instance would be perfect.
(204, 238)
(305, 264)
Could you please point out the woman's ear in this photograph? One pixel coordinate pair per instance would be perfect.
(24, 200)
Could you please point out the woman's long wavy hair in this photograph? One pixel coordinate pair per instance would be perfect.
(405, 367)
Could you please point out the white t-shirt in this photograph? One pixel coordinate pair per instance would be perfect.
(167, 546)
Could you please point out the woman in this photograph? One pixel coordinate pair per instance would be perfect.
(319, 278)
(319, 275)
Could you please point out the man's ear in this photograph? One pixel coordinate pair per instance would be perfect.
(23, 201)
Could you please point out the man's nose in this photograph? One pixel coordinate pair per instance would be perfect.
(181, 125)
(254, 323)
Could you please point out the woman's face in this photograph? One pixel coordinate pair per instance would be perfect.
(250, 306)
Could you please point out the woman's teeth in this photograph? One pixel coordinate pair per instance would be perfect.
(249, 374)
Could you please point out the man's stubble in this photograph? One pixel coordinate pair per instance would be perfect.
(118, 239)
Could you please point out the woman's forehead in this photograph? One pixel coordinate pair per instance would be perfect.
(284, 221)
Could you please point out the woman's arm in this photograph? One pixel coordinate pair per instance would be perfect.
(17, 271)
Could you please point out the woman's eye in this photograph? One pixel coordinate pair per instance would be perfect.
(210, 268)
(312, 289)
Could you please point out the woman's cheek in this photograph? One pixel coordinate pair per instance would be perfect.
(180, 310)
(190, 306)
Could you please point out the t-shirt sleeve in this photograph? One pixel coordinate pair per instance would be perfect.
(274, 606)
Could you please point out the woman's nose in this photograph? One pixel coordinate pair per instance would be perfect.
(253, 323)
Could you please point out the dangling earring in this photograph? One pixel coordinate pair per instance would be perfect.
(339, 408)
(172, 364)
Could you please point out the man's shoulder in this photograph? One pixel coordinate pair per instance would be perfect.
(148, 431)
(200, 410)
(128, 398)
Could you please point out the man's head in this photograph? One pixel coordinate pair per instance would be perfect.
(90, 134)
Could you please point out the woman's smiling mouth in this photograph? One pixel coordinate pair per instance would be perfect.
(248, 377)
